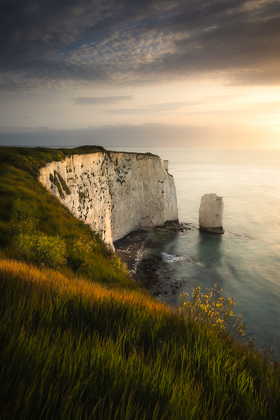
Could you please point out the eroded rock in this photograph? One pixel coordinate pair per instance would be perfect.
(211, 213)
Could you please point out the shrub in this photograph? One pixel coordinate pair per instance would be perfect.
(32, 245)
(212, 310)
(23, 221)
(42, 249)
(82, 249)
(118, 264)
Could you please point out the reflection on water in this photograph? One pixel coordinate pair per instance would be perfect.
(209, 246)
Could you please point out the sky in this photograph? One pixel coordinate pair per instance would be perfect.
(185, 73)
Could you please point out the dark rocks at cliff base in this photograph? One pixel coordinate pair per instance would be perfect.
(130, 248)
(174, 227)
(146, 274)
(147, 266)
(131, 251)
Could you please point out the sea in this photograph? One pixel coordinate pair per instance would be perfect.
(245, 260)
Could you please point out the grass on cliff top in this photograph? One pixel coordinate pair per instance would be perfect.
(85, 342)
(31, 159)
(71, 349)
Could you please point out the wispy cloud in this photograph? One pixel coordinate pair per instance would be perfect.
(108, 43)
(101, 100)
(153, 108)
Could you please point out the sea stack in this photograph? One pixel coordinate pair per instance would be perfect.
(211, 213)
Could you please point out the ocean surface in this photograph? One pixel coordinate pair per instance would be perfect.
(245, 261)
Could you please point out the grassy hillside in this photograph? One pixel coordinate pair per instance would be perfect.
(80, 340)
(28, 208)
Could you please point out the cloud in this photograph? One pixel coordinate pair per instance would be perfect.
(104, 43)
(157, 135)
(245, 109)
(153, 108)
(101, 100)
(177, 106)
(20, 130)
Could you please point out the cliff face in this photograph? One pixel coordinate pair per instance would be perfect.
(115, 193)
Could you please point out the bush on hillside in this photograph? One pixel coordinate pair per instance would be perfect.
(41, 249)
(81, 252)
(207, 308)
(33, 245)
(23, 220)
(82, 260)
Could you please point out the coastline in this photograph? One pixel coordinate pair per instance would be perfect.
(149, 268)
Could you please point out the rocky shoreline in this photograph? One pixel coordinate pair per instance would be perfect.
(150, 269)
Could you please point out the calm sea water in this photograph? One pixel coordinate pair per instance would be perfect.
(245, 261)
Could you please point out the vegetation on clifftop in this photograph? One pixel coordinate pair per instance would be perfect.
(80, 340)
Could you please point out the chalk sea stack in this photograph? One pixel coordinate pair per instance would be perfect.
(211, 213)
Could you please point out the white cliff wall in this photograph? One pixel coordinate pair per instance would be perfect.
(114, 193)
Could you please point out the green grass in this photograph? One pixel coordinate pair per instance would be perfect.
(82, 355)
(22, 194)
(84, 342)
(32, 159)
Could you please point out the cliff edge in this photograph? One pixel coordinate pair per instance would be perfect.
(115, 193)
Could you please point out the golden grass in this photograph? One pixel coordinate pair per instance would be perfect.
(71, 285)
(73, 339)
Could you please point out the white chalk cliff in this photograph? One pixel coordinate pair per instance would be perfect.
(115, 193)
(211, 213)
